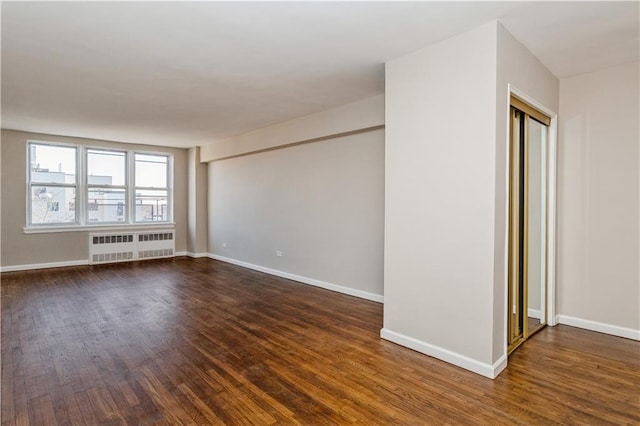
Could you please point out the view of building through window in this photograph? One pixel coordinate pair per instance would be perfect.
(151, 188)
(54, 186)
(106, 182)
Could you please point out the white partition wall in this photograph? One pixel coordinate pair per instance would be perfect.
(446, 198)
(440, 191)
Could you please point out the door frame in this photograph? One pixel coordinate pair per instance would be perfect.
(551, 165)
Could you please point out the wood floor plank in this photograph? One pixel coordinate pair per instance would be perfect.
(197, 341)
(165, 400)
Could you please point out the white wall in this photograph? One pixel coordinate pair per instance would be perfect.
(598, 196)
(447, 192)
(321, 204)
(440, 191)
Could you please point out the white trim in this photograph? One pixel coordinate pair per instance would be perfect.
(131, 193)
(544, 246)
(478, 367)
(532, 102)
(552, 191)
(30, 184)
(305, 280)
(81, 202)
(12, 268)
(507, 230)
(134, 186)
(600, 327)
(106, 228)
(191, 254)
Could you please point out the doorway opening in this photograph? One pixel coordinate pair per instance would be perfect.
(528, 240)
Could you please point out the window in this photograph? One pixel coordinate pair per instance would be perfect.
(152, 192)
(78, 186)
(106, 186)
(52, 184)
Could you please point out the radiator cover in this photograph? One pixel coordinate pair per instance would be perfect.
(127, 246)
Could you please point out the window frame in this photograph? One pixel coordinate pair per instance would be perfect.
(87, 187)
(168, 188)
(31, 184)
(82, 188)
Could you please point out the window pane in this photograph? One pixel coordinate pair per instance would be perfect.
(53, 205)
(151, 206)
(151, 171)
(105, 167)
(106, 205)
(52, 164)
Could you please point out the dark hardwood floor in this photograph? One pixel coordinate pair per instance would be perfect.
(188, 341)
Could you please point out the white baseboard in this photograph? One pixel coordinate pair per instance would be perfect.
(191, 254)
(534, 313)
(600, 327)
(305, 280)
(12, 268)
(27, 267)
(478, 367)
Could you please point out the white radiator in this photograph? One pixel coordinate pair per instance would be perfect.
(127, 246)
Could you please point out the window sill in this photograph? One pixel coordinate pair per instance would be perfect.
(98, 228)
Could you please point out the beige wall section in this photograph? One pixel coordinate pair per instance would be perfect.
(19, 248)
(343, 119)
(320, 204)
(440, 191)
(2, 183)
(598, 196)
(197, 211)
(517, 66)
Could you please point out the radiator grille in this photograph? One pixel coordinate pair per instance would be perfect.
(112, 239)
(155, 236)
(122, 247)
(112, 257)
(144, 254)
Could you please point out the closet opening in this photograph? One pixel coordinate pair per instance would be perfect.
(528, 239)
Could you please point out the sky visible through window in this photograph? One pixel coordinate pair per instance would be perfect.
(54, 158)
(107, 163)
(151, 170)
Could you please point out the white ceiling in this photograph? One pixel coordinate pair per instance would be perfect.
(184, 74)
